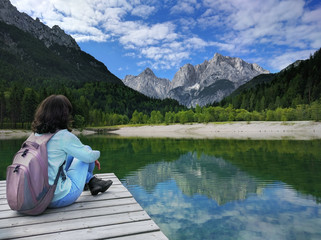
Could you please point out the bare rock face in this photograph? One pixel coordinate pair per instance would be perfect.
(186, 76)
(202, 84)
(233, 69)
(148, 84)
(55, 35)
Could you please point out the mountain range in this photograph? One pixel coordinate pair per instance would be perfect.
(202, 84)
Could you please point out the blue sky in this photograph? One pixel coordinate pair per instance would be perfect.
(131, 35)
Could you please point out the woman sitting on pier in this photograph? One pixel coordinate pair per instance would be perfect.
(54, 115)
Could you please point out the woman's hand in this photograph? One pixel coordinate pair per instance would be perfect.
(97, 164)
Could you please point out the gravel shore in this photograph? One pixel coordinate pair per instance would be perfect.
(300, 130)
(14, 134)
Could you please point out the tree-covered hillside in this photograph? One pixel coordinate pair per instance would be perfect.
(288, 88)
(27, 61)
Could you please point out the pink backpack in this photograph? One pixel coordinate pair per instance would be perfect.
(28, 189)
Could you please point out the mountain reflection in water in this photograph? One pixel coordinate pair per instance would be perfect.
(204, 175)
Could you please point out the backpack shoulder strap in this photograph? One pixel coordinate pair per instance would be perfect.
(36, 141)
(44, 138)
(60, 172)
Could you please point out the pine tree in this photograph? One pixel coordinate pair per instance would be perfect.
(28, 105)
(2, 108)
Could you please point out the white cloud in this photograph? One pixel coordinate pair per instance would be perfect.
(143, 11)
(185, 6)
(86, 38)
(156, 53)
(187, 24)
(166, 56)
(282, 61)
(223, 46)
(142, 35)
(209, 19)
(195, 43)
(312, 16)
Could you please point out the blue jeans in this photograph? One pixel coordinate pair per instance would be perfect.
(80, 173)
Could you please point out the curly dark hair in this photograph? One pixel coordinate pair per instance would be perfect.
(52, 114)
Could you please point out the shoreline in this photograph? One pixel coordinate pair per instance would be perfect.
(256, 130)
(6, 134)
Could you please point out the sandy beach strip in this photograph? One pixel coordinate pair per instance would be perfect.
(18, 134)
(298, 130)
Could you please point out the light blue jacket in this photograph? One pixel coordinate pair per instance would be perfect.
(62, 144)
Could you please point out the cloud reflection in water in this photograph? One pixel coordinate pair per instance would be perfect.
(205, 197)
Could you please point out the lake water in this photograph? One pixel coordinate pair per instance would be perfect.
(216, 189)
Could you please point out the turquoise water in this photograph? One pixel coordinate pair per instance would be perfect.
(216, 189)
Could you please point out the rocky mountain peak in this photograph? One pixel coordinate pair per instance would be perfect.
(259, 69)
(148, 84)
(186, 76)
(148, 72)
(50, 36)
(218, 57)
(201, 84)
(295, 64)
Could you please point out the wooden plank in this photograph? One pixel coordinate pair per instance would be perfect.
(84, 213)
(86, 198)
(113, 192)
(104, 232)
(113, 195)
(72, 224)
(148, 236)
(19, 221)
(107, 175)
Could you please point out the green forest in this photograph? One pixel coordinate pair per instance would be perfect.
(290, 88)
(30, 71)
(94, 104)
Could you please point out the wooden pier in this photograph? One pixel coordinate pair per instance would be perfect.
(114, 214)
